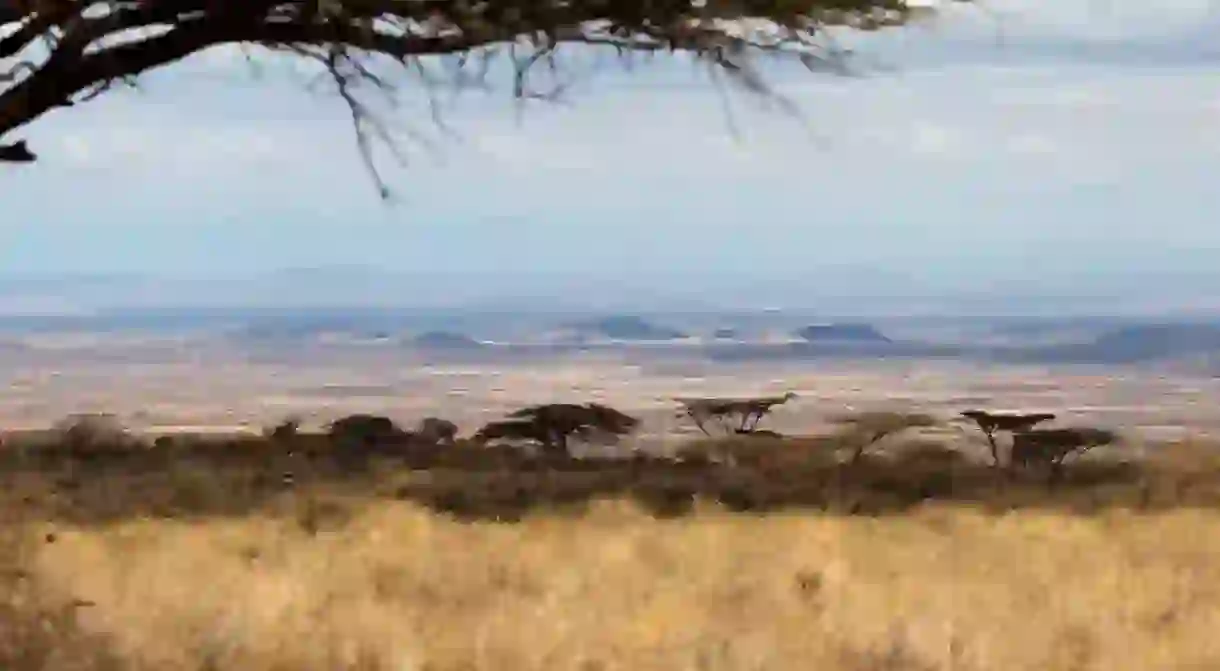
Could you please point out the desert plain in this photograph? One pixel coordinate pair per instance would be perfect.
(168, 386)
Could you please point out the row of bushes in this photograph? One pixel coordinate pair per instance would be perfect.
(540, 436)
(841, 471)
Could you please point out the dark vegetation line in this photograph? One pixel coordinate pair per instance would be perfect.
(88, 468)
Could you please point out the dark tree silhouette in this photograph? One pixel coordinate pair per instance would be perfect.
(990, 424)
(513, 430)
(1050, 447)
(736, 415)
(57, 53)
(364, 431)
(357, 438)
(866, 429)
(285, 430)
(437, 430)
(90, 433)
(554, 425)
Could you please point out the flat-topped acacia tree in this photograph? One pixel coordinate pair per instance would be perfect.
(59, 53)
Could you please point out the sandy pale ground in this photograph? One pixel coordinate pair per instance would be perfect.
(210, 386)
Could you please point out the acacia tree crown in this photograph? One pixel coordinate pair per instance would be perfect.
(57, 53)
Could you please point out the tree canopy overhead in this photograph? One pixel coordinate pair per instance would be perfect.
(57, 53)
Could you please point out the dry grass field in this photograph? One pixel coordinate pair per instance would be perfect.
(197, 559)
(399, 588)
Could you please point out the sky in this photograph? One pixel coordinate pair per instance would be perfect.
(1031, 148)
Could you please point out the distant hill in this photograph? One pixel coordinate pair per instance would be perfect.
(1128, 344)
(298, 327)
(1160, 339)
(725, 334)
(445, 340)
(628, 327)
(846, 332)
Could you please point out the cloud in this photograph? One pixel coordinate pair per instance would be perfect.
(1080, 96)
(171, 149)
(1105, 19)
(1032, 144)
(934, 139)
(967, 123)
(517, 150)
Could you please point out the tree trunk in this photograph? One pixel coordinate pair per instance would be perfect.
(995, 450)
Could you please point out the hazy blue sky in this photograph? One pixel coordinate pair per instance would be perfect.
(1048, 146)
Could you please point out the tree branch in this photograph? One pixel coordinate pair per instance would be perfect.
(93, 43)
(62, 77)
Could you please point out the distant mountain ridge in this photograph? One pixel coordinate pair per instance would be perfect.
(846, 332)
(1129, 344)
(628, 328)
(445, 340)
(724, 336)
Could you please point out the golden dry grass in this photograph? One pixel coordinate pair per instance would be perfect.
(399, 587)
(184, 564)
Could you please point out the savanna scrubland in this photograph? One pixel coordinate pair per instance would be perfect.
(379, 548)
(748, 552)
